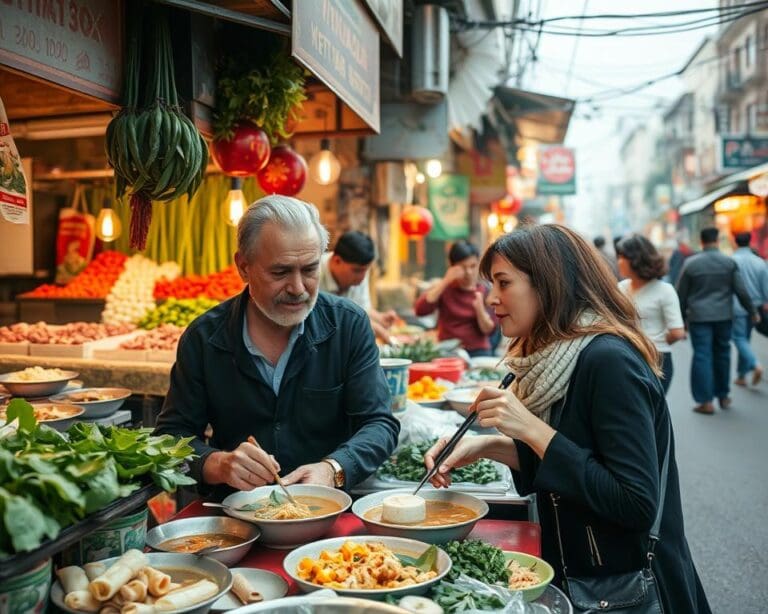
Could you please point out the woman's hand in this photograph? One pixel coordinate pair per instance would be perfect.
(466, 452)
(502, 410)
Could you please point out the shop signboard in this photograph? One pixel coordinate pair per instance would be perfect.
(77, 44)
(487, 174)
(338, 42)
(410, 131)
(557, 171)
(449, 203)
(389, 15)
(743, 151)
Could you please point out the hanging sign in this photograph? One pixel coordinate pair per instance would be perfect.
(449, 204)
(14, 206)
(389, 15)
(338, 42)
(557, 171)
(77, 44)
(487, 174)
(743, 152)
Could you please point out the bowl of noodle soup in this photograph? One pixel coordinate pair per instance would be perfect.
(528, 574)
(283, 525)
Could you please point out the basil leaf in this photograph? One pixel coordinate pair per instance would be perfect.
(275, 498)
(21, 409)
(425, 562)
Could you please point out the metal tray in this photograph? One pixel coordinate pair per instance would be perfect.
(18, 563)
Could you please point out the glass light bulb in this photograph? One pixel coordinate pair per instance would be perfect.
(434, 168)
(493, 221)
(234, 206)
(324, 167)
(108, 225)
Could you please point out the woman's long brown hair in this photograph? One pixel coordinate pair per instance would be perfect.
(569, 277)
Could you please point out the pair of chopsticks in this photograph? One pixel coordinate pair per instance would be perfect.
(252, 440)
(469, 421)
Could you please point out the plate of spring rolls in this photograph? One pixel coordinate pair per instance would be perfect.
(139, 583)
(249, 586)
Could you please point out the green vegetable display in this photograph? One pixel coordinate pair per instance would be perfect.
(176, 311)
(408, 465)
(454, 599)
(50, 480)
(484, 375)
(421, 350)
(477, 559)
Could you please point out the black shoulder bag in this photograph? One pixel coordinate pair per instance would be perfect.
(635, 592)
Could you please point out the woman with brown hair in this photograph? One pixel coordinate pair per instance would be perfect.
(585, 424)
(641, 268)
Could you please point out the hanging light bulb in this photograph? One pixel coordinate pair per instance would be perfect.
(492, 221)
(434, 168)
(324, 166)
(420, 178)
(234, 205)
(108, 225)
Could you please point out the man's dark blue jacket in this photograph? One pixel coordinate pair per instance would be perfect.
(333, 399)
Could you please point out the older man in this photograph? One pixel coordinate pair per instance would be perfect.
(295, 368)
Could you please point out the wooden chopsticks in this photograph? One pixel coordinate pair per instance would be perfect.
(252, 440)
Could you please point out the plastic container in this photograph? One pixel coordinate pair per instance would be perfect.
(451, 371)
(109, 541)
(396, 372)
(27, 592)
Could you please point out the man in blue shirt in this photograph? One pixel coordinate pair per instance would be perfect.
(754, 272)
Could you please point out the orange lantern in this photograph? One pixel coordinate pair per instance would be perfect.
(285, 173)
(416, 222)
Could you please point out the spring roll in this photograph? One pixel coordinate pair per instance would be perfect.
(134, 591)
(72, 579)
(187, 596)
(158, 583)
(138, 608)
(123, 571)
(82, 601)
(94, 570)
(244, 591)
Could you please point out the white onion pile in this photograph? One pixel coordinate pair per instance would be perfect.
(133, 293)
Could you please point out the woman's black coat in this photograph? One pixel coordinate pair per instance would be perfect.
(603, 465)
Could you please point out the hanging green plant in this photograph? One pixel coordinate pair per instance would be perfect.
(268, 95)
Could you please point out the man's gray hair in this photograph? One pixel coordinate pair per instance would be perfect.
(287, 212)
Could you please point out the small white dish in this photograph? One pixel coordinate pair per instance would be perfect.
(269, 584)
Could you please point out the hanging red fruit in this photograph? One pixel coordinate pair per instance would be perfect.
(416, 221)
(246, 153)
(285, 173)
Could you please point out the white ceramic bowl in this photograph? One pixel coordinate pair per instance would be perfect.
(398, 545)
(215, 571)
(95, 409)
(308, 604)
(430, 535)
(33, 389)
(288, 533)
(460, 399)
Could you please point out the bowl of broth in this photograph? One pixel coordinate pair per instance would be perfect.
(282, 524)
(450, 515)
(232, 538)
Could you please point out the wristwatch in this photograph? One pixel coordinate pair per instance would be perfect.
(338, 472)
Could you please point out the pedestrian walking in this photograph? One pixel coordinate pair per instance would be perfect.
(641, 268)
(708, 282)
(677, 259)
(754, 271)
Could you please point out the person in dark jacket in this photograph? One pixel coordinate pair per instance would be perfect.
(585, 424)
(295, 368)
(707, 286)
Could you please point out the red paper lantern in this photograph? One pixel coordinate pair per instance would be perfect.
(246, 153)
(285, 173)
(416, 221)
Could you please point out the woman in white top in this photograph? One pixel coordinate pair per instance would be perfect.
(641, 268)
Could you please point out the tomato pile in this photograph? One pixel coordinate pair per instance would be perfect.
(221, 285)
(95, 281)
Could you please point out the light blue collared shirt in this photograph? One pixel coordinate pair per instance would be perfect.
(272, 374)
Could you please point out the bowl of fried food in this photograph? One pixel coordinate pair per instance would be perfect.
(529, 574)
(36, 381)
(284, 523)
(56, 415)
(97, 402)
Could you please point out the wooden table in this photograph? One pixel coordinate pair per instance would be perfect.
(521, 536)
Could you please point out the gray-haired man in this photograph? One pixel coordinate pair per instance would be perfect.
(295, 368)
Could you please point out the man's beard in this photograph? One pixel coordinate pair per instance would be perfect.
(281, 318)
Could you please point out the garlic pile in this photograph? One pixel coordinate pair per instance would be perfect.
(132, 295)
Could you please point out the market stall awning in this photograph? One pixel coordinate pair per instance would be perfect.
(702, 202)
(538, 117)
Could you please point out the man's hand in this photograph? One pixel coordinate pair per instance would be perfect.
(246, 467)
(454, 273)
(479, 302)
(316, 473)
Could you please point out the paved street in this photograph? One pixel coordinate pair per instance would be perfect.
(723, 461)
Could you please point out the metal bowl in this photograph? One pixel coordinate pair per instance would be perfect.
(36, 389)
(288, 533)
(398, 545)
(215, 571)
(96, 409)
(329, 604)
(207, 524)
(74, 413)
(430, 535)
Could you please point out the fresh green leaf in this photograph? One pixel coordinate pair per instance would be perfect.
(275, 498)
(23, 410)
(425, 562)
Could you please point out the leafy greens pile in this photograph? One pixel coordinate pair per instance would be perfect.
(408, 465)
(50, 480)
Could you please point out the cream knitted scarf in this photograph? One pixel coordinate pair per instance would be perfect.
(542, 378)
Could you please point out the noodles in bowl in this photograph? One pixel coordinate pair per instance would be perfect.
(283, 524)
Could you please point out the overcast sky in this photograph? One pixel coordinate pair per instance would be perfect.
(580, 67)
